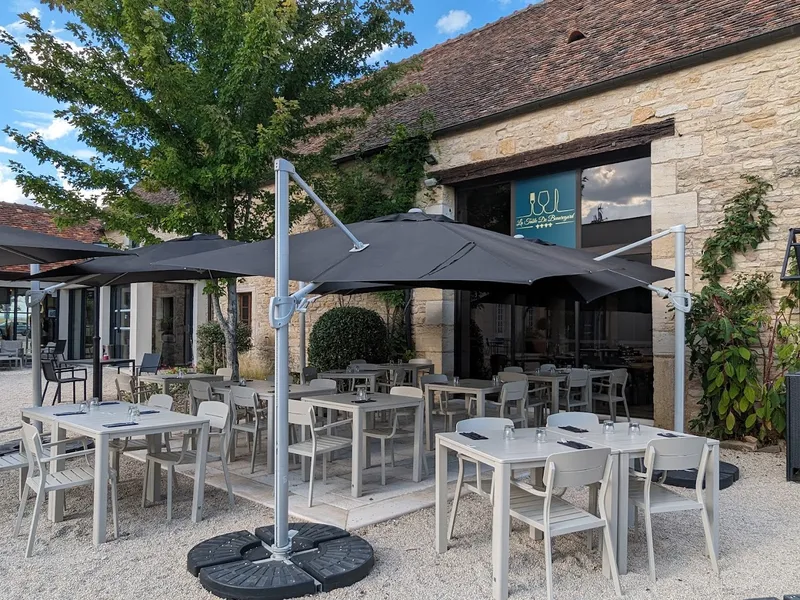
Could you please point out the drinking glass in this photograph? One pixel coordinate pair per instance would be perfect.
(495, 380)
(349, 369)
(93, 404)
(608, 427)
(541, 435)
(508, 432)
(361, 392)
(243, 382)
(456, 379)
(83, 407)
(634, 428)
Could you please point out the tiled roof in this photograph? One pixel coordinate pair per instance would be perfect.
(34, 218)
(525, 58)
(163, 197)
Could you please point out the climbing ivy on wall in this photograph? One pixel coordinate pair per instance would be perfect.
(742, 341)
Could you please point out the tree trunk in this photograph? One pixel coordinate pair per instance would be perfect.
(228, 326)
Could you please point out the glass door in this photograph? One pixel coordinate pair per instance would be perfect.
(120, 322)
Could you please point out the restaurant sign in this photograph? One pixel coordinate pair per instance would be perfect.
(546, 208)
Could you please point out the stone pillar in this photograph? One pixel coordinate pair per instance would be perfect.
(105, 317)
(669, 208)
(141, 320)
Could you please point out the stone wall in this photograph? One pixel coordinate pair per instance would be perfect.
(735, 116)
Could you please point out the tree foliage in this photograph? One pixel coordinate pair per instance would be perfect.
(347, 333)
(198, 97)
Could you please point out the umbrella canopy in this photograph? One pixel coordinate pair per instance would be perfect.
(23, 247)
(137, 265)
(420, 250)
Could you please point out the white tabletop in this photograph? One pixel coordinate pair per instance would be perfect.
(265, 388)
(621, 439)
(466, 386)
(345, 402)
(178, 377)
(91, 424)
(497, 450)
(340, 374)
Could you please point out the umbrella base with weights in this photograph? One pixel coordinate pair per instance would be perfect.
(240, 565)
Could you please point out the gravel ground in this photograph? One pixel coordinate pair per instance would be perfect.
(759, 520)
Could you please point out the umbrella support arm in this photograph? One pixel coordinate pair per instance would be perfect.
(681, 300)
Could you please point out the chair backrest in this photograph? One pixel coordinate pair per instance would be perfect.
(32, 442)
(514, 391)
(301, 413)
(309, 373)
(124, 385)
(577, 378)
(225, 372)
(398, 376)
(216, 412)
(513, 370)
(358, 361)
(406, 390)
(584, 420)
(506, 376)
(434, 378)
(534, 365)
(49, 371)
(60, 346)
(322, 384)
(576, 469)
(617, 382)
(163, 401)
(244, 397)
(150, 363)
(483, 425)
(200, 390)
(675, 454)
(420, 361)
(548, 368)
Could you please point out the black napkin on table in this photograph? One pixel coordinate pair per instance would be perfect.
(576, 445)
(473, 436)
(120, 424)
(573, 429)
(668, 434)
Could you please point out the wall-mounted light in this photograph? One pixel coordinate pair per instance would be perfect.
(431, 160)
(431, 182)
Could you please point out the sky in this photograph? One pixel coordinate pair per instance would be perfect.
(433, 22)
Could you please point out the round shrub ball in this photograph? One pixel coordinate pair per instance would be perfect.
(347, 333)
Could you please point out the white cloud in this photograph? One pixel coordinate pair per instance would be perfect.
(7, 150)
(84, 153)
(9, 190)
(504, 2)
(380, 54)
(455, 20)
(45, 124)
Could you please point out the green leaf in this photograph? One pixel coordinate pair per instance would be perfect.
(750, 421)
(743, 405)
(750, 393)
(730, 421)
(744, 353)
(741, 372)
(729, 369)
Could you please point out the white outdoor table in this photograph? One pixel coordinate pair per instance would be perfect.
(560, 377)
(266, 394)
(370, 378)
(153, 426)
(344, 403)
(632, 447)
(413, 368)
(503, 456)
(167, 380)
(478, 388)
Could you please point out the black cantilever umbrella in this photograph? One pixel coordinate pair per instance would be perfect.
(23, 247)
(419, 250)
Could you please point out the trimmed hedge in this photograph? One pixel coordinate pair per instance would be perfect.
(347, 333)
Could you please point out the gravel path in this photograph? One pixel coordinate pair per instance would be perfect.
(759, 521)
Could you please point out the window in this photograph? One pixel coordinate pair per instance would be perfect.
(500, 325)
(245, 300)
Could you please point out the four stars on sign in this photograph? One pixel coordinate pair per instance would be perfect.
(543, 225)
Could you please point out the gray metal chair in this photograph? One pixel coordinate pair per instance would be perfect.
(58, 378)
(150, 363)
(613, 392)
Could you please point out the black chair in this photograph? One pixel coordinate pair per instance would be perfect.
(56, 376)
(150, 363)
(309, 373)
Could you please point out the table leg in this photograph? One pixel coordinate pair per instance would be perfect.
(480, 402)
(622, 513)
(711, 495)
(419, 452)
(358, 453)
(441, 498)
(200, 474)
(153, 492)
(611, 500)
(554, 396)
(428, 418)
(304, 462)
(100, 488)
(55, 504)
(501, 529)
(588, 396)
(538, 479)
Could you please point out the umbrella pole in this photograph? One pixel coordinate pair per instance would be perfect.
(280, 315)
(97, 376)
(36, 338)
(302, 341)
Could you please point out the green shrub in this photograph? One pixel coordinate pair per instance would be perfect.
(211, 345)
(344, 334)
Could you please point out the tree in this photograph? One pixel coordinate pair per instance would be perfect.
(197, 98)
